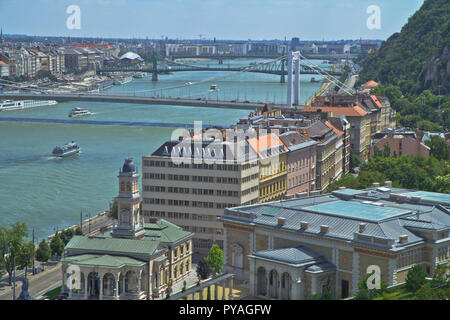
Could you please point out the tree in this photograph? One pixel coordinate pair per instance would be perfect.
(415, 278)
(12, 244)
(438, 147)
(215, 259)
(203, 269)
(386, 150)
(57, 245)
(78, 231)
(43, 252)
(26, 256)
(326, 295)
(426, 292)
(114, 209)
(355, 161)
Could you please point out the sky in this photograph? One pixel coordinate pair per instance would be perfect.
(222, 19)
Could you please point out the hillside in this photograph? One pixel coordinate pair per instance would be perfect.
(417, 58)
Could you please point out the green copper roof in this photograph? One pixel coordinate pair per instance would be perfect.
(165, 231)
(103, 261)
(112, 245)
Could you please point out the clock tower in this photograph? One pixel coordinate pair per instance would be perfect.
(130, 223)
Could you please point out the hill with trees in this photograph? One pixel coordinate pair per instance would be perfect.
(417, 58)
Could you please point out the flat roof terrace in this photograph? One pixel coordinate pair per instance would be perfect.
(433, 197)
(357, 210)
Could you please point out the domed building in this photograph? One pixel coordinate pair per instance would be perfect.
(131, 57)
(132, 260)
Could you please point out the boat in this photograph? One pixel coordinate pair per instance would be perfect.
(314, 80)
(79, 112)
(9, 105)
(213, 88)
(123, 80)
(140, 75)
(66, 150)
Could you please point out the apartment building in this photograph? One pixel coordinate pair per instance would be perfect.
(296, 248)
(190, 182)
(301, 163)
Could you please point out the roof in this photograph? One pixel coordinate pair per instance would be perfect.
(296, 141)
(370, 83)
(3, 63)
(376, 101)
(132, 56)
(268, 144)
(355, 111)
(337, 131)
(112, 245)
(165, 231)
(290, 255)
(102, 260)
(385, 219)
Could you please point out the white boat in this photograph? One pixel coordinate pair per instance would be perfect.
(123, 80)
(79, 112)
(140, 75)
(66, 150)
(213, 88)
(8, 105)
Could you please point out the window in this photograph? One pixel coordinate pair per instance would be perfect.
(237, 257)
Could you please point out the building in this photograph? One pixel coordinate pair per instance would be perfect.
(296, 248)
(301, 163)
(193, 190)
(134, 260)
(401, 141)
(4, 69)
(272, 157)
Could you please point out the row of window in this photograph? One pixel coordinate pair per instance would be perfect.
(207, 192)
(185, 203)
(272, 188)
(300, 164)
(175, 177)
(227, 167)
(179, 215)
(298, 180)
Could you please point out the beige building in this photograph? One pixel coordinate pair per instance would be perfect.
(296, 248)
(189, 184)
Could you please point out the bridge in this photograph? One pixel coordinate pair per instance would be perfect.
(295, 61)
(136, 99)
(276, 67)
(330, 56)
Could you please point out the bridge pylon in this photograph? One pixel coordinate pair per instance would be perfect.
(282, 77)
(155, 69)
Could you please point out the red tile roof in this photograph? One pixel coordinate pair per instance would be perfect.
(376, 101)
(370, 83)
(355, 111)
(336, 130)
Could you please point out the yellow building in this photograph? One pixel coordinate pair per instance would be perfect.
(272, 155)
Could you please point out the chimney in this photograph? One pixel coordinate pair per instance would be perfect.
(342, 188)
(301, 194)
(304, 225)
(376, 184)
(362, 227)
(324, 229)
(388, 183)
(403, 239)
(281, 221)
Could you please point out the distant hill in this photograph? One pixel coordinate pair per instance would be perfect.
(417, 58)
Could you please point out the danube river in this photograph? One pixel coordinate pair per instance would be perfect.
(49, 193)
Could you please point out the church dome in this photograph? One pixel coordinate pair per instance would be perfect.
(128, 165)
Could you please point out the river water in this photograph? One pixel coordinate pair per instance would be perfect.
(49, 193)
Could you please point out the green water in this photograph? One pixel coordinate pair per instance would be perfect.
(49, 193)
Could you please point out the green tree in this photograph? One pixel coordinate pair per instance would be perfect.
(415, 278)
(326, 295)
(12, 243)
(215, 259)
(78, 231)
(26, 256)
(386, 150)
(43, 252)
(438, 147)
(114, 209)
(355, 161)
(443, 184)
(426, 292)
(57, 245)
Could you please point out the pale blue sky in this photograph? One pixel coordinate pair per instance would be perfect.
(223, 19)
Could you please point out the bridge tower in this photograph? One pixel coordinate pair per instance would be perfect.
(293, 58)
(155, 69)
(282, 78)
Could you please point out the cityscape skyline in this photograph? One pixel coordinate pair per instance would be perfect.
(200, 19)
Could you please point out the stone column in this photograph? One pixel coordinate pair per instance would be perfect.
(100, 289)
(224, 286)
(297, 81)
(216, 294)
(116, 294)
(86, 286)
(201, 294)
(230, 285)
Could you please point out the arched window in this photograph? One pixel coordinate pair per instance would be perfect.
(128, 186)
(237, 258)
(122, 186)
